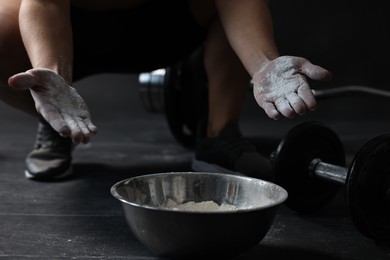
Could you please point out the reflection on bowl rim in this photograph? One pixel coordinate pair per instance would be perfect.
(115, 194)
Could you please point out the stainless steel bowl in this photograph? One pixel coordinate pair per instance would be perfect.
(174, 232)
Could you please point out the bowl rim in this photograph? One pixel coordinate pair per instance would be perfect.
(115, 194)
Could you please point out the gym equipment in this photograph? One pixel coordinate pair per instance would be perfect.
(151, 90)
(309, 164)
(181, 92)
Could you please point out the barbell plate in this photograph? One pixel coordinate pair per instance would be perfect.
(186, 98)
(177, 117)
(367, 189)
(291, 161)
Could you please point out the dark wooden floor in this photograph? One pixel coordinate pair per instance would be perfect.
(79, 219)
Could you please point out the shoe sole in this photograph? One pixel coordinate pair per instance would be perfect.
(65, 174)
(202, 166)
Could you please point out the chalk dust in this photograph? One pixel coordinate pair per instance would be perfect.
(203, 206)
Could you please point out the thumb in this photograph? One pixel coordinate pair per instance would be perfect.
(314, 71)
(22, 81)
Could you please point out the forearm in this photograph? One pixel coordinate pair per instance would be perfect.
(248, 26)
(46, 32)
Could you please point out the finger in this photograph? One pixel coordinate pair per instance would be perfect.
(51, 115)
(92, 128)
(271, 110)
(60, 126)
(307, 96)
(56, 121)
(284, 108)
(314, 71)
(22, 81)
(296, 103)
(85, 131)
(76, 133)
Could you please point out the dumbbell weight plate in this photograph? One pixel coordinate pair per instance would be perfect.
(175, 113)
(291, 161)
(367, 189)
(186, 98)
(161, 91)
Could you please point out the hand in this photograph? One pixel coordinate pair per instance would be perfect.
(59, 104)
(281, 87)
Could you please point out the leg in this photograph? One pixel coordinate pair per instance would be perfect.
(13, 57)
(51, 154)
(228, 81)
(228, 86)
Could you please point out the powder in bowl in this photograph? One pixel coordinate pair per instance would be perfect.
(203, 206)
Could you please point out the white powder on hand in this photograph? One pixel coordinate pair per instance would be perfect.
(203, 206)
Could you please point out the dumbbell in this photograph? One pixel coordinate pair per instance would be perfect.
(181, 92)
(309, 163)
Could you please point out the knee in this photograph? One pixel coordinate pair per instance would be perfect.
(13, 57)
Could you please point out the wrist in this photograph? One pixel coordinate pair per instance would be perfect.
(258, 73)
(62, 70)
(262, 63)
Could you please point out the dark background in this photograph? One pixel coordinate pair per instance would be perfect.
(79, 219)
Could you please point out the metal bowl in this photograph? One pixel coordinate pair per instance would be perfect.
(156, 211)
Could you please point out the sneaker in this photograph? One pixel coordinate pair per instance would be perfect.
(51, 157)
(230, 153)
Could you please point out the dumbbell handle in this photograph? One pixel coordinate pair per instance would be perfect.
(328, 171)
(344, 90)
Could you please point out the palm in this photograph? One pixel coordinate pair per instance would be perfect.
(58, 103)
